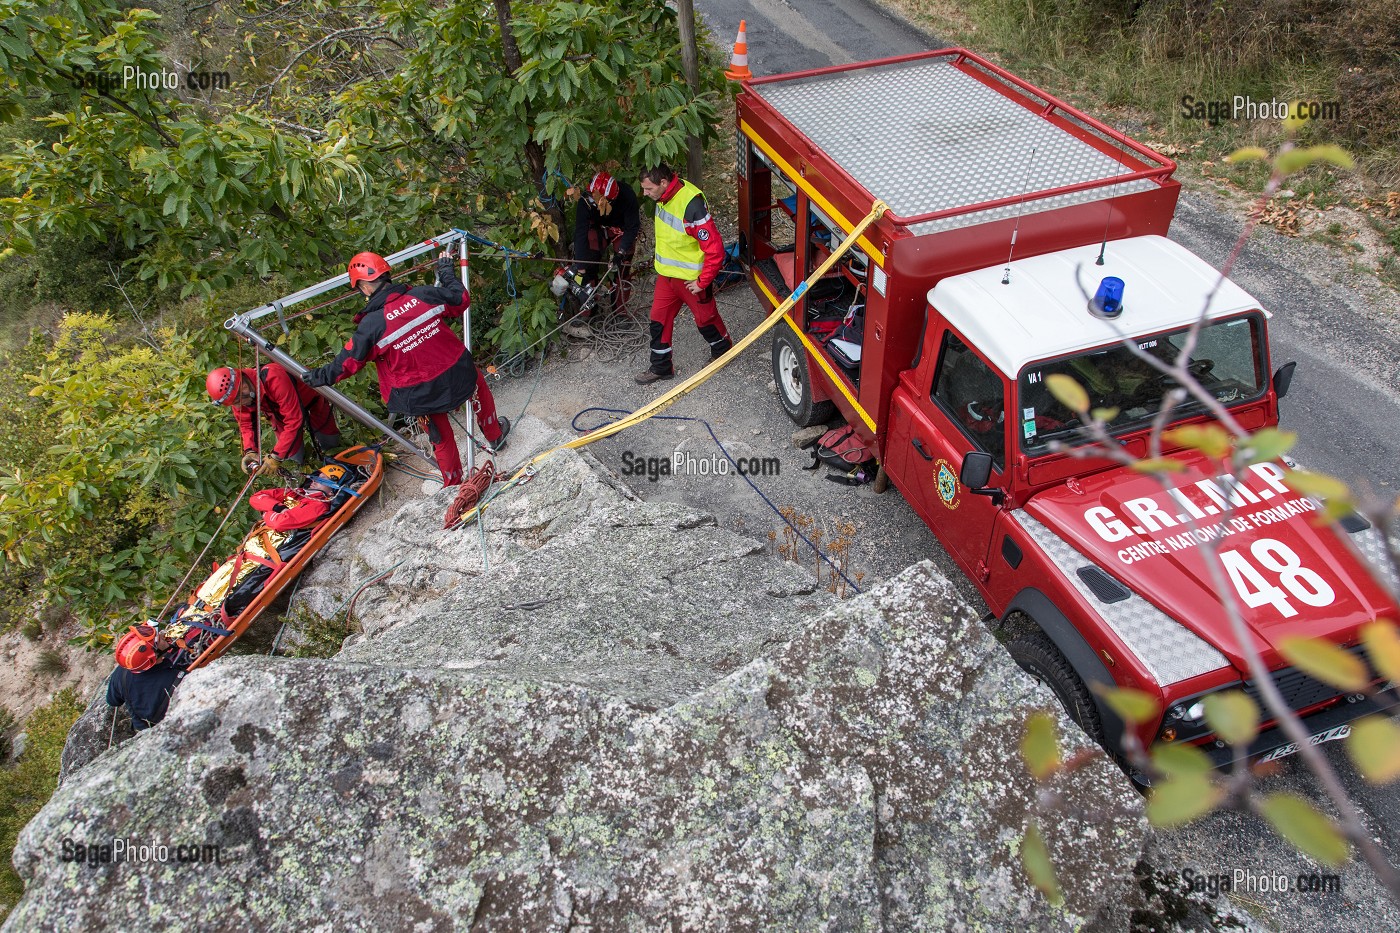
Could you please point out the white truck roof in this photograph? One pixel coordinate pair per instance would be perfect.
(925, 135)
(1043, 311)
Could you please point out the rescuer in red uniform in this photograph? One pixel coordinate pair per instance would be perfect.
(689, 254)
(424, 368)
(287, 403)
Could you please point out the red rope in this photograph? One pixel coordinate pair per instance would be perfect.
(470, 493)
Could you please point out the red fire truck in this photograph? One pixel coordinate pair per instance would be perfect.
(1023, 239)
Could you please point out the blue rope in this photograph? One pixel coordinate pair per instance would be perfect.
(547, 199)
(797, 531)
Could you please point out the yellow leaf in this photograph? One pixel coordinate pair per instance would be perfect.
(1233, 716)
(1040, 746)
(1210, 439)
(1374, 744)
(1039, 868)
(1382, 640)
(1326, 662)
(1269, 444)
(1159, 465)
(1248, 154)
(1317, 485)
(1133, 706)
(1300, 823)
(1068, 392)
(1181, 799)
(1174, 760)
(1297, 116)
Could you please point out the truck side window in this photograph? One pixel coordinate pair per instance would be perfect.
(972, 395)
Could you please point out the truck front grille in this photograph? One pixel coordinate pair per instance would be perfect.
(1299, 690)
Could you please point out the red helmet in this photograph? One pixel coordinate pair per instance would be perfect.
(603, 185)
(223, 385)
(366, 267)
(136, 650)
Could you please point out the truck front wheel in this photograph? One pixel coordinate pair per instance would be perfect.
(794, 386)
(1039, 657)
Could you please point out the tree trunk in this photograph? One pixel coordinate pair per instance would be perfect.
(690, 64)
(534, 153)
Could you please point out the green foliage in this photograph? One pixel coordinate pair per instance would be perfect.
(31, 782)
(412, 119)
(121, 498)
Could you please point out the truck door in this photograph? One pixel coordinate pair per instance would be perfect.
(948, 405)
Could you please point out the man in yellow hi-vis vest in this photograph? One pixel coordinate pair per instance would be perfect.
(689, 254)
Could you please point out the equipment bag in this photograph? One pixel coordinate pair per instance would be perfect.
(842, 449)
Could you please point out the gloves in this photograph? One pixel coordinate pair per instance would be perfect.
(621, 259)
(446, 270)
(250, 461)
(269, 466)
(319, 377)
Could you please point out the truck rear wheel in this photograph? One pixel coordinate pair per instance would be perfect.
(794, 384)
(1039, 657)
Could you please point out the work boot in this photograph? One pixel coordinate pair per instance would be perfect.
(500, 443)
(647, 376)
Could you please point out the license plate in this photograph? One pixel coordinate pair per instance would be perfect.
(1331, 735)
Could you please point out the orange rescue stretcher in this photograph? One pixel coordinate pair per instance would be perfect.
(241, 587)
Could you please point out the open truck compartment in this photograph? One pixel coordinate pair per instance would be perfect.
(975, 166)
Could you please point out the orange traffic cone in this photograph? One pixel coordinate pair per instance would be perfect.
(739, 66)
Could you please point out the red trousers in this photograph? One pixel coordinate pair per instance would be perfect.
(449, 461)
(671, 294)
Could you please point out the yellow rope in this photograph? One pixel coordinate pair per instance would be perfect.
(700, 378)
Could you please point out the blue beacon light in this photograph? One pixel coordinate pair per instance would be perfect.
(1108, 300)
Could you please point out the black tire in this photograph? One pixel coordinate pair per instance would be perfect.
(794, 384)
(1038, 656)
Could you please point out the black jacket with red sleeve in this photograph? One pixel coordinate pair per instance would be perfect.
(424, 368)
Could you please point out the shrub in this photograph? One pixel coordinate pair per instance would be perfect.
(31, 782)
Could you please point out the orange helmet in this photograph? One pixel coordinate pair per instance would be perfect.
(136, 650)
(603, 185)
(222, 385)
(332, 474)
(366, 267)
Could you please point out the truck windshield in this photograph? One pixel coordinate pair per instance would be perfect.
(1228, 361)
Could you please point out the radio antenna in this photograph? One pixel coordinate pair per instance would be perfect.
(1025, 190)
(1108, 207)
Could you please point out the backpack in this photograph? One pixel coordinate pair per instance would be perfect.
(843, 450)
